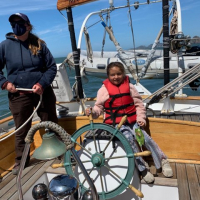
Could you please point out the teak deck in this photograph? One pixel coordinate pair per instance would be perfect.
(186, 178)
(177, 116)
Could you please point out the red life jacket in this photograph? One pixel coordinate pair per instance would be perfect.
(120, 103)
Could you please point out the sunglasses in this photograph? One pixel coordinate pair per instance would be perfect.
(21, 22)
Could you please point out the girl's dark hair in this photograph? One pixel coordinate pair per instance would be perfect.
(115, 64)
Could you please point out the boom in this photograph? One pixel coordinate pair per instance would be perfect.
(63, 4)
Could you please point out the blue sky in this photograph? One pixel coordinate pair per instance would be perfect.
(52, 27)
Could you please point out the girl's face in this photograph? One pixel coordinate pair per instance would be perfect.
(116, 76)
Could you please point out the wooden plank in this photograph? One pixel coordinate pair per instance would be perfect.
(62, 4)
(6, 119)
(10, 186)
(198, 171)
(172, 117)
(163, 182)
(173, 166)
(193, 182)
(195, 118)
(179, 117)
(152, 168)
(6, 180)
(183, 189)
(184, 161)
(172, 135)
(31, 172)
(32, 179)
(9, 176)
(164, 116)
(158, 172)
(187, 98)
(187, 117)
(60, 170)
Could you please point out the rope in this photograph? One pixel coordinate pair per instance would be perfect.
(23, 89)
(174, 23)
(104, 37)
(173, 86)
(88, 45)
(66, 138)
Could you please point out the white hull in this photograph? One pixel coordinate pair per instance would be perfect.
(98, 65)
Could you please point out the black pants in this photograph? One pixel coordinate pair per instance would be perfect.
(22, 106)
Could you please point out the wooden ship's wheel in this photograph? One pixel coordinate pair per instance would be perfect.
(107, 157)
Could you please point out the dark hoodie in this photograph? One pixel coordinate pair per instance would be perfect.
(24, 69)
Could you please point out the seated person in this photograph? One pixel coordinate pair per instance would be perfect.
(118, 97)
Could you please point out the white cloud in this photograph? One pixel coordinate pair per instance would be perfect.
(11, 6)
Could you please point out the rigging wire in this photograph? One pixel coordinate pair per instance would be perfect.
(133, 40)
(63, 16)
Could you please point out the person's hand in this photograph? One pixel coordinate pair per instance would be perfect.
(11, 88)
(37, 89)
(140, 123)
(87, 111)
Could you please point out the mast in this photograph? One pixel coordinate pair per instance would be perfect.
(76, 52)
(61, 5)
(165, 6)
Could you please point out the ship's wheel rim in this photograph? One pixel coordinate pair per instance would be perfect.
(127, 148)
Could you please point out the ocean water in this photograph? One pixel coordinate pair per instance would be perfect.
(151, 84)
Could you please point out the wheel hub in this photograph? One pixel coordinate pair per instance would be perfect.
(97, 160)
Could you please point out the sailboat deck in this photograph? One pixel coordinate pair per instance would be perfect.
(186, 178)
(177, 116)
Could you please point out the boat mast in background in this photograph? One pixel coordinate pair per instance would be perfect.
(165, 6)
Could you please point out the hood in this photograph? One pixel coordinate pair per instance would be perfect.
(10, 35)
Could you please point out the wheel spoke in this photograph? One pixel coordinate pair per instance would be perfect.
(125, 156)
(101, 181)
(85, 161)
(95, 144)
(113, 172)
(108, 143)
(89, 174)
(83, 147)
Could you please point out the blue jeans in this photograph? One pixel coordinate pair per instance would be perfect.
(150, 144)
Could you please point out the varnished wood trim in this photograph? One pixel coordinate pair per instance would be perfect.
(184, 161)
(62, 4)
(187, 98)
(10, 132)
(6, 119)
